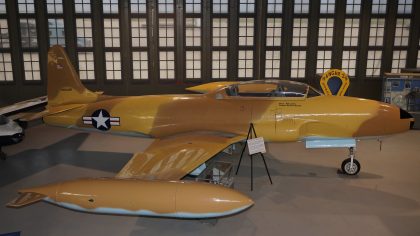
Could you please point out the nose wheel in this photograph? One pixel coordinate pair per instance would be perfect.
(350, 166)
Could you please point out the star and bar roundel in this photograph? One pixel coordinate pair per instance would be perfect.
(101, 119)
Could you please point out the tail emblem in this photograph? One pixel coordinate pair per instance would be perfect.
(102, 120)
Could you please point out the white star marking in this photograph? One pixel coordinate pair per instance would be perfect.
(100, 121)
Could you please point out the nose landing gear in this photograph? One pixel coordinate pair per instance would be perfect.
(350, 166)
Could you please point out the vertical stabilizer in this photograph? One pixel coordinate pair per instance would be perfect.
(64, 86)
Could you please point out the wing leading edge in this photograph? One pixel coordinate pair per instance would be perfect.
(174, 157)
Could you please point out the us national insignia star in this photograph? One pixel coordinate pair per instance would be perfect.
(102, 120)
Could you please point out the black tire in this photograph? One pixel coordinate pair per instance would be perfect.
(345, 167)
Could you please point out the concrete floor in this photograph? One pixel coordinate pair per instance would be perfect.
(308, 197)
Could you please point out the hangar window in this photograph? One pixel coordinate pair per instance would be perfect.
(323, 62)
(140, 66)
(301, 7)
(4, 34)
(379, 6)
(275, 6)
(327, 7)
(220, 32)
(220, 36)
(84, 32)
(6, 71)
(139, 40)
(138, 7)
(245, 63)
(167, 65)
(373, 67)
(376, 35)
(273, 39)
(402, 32)
(418, 58)
(31, 66)
(220, 6)
(298, 64)
(349, 62)
(28, 33)
(166, 41)
(274, 31)
(54, 6)
(398, 60)
(351, 32)
(166, 6)
(86, 66)
(272, 64)
(85, 47)
(246, 40)
(192, 32)
(113, 65)
(246, 6)
(110, 6)
(219, 65)
(246, 31)
(56, 32)
(353, 6)
(55, 22)
(26, 6)
(192, 6)
(326, 31)
(139, 32)
(192, 39)
(82, 6)
(405, 6)
(193, 64)
(166, 32)
(300, 31)
(112, 32)
(3, 7)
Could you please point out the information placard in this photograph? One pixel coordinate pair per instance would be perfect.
(256, 145)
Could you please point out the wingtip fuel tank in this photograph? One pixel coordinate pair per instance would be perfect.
(177, 199)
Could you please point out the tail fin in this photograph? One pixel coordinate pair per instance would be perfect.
(64, 86)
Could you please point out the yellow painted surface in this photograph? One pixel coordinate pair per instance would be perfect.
(190, 129)
(160, 197)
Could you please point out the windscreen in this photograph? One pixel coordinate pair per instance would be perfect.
(270, 88)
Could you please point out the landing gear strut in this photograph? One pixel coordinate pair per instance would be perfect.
(350, 166)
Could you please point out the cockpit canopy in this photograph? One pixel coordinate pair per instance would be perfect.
(272, 88)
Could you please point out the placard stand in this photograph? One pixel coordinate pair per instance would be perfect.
(252, 134)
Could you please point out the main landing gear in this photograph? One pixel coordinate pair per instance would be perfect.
(350, 166)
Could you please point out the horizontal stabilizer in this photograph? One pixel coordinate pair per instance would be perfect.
(24, 105)
(25, 199)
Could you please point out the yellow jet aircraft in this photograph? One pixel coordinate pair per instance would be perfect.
(190, 129)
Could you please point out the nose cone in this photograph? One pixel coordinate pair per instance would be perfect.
(198, 200)
(404, 115)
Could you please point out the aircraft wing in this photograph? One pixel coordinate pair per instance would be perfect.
(23, 105)
(174, 157)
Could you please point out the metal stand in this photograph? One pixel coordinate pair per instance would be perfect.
(252, 134)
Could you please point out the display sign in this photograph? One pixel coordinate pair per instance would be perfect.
(256, 145)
